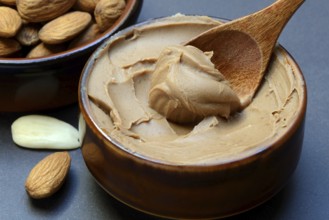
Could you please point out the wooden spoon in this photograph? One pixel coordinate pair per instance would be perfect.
(243, 47)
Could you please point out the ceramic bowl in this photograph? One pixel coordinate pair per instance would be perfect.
(52, 81)
(189, 191)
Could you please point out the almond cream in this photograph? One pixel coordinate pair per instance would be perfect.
(186, 87)
(126, 106)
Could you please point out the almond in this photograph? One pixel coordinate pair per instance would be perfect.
(65, 27)
(107, 12)
(48, 175)
(28, 35)
(85, 5)
(44, 132)
(42, 50)
(88, 35)
(8, 47)
(41, 10)
(8, 2)
(10, 22)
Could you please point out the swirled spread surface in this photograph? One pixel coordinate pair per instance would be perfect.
(119, 90)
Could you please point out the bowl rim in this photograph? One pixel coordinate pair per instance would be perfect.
(267, 147)
(130, 9)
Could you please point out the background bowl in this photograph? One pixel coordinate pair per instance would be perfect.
(189, 191)
(52, 81)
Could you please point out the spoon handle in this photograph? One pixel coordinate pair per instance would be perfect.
(270, 21)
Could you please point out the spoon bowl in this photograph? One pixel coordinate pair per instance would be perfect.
(243, 47)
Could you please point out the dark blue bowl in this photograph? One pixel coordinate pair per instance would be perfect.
(50, 82)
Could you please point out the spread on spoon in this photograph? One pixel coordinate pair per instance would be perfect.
(134, 108)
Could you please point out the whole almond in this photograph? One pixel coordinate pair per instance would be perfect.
(42, 50)
(41, 10)
(88, 35)
(10, 22)
(8, 46)
(48, 175)
(28, 35)
(65, 27)
(44, 132)
(8, 2)
(85, 5)
(107, 12)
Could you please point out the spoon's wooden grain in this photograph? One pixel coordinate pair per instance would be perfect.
(243, 47)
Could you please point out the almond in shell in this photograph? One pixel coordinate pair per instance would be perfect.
(10, 22)
(48, 175)
(65, 27)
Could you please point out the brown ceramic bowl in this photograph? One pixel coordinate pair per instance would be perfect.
(189, 191)
(49, 82)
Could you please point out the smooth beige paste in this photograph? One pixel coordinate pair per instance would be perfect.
(119, 90)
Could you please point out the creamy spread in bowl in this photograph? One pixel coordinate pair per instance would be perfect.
(120, 89)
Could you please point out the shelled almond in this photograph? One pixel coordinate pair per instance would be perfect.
(47, 177)
(27, 24)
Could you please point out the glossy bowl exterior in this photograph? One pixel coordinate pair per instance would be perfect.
(49, 82)
(184, 191)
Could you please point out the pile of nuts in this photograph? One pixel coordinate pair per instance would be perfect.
(37, 28)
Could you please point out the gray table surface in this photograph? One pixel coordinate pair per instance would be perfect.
(305, 197)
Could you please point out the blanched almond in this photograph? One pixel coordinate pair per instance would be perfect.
(44, 132)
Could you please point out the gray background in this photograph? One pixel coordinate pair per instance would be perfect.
(305, 197)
